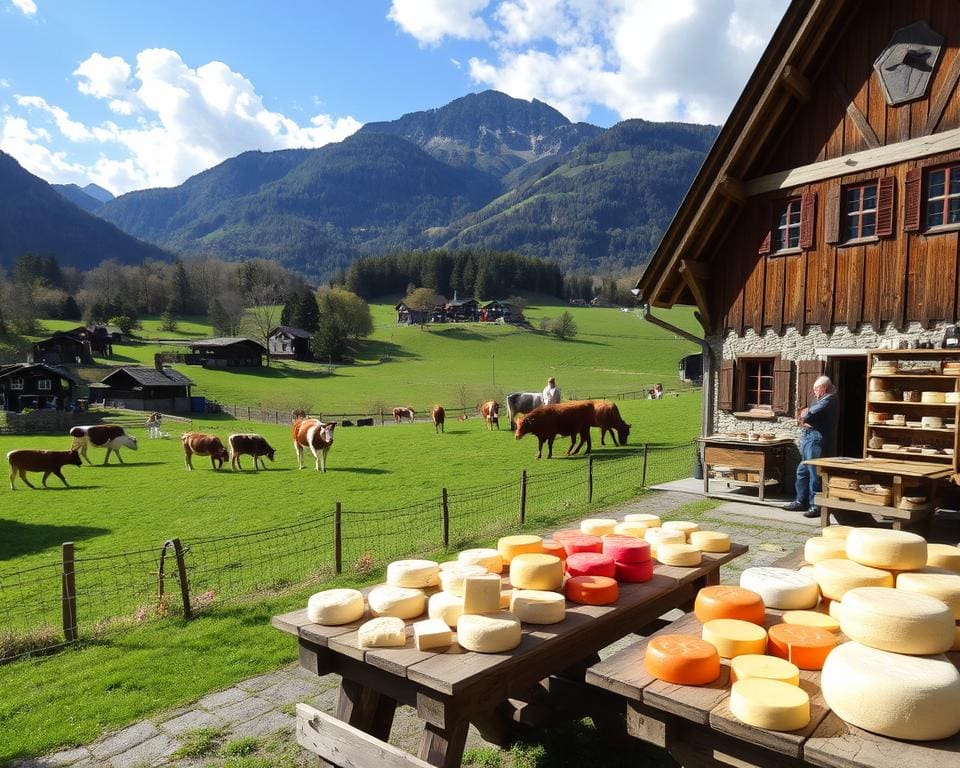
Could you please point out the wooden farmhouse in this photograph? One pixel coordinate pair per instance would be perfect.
(228, 352)
(62, 349)
(288, 342)
(36, 386)
(144, 389)
(825, 220)
(462, 310)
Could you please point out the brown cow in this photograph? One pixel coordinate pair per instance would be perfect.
(573, 419)
(315, 434)
(203, 444)
(490, 413)
(49, 462)
(606, 416)
(109, 436)
(401, 412)
(439, 416)
(250, 445)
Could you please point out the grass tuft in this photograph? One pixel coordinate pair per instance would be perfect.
(199, 742)
(245, 745)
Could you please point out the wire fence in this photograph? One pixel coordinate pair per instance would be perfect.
(49, 606)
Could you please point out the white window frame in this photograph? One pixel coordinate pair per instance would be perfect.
(16, 383)
(44, 385)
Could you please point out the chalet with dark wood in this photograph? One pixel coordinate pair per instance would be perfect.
(228, 352)
(144, 389)
(691, 369)
(462, 310)
(288, 342)
(408, 316)
(825, 220)
(494, 311)
(35, 385)
(62, 349)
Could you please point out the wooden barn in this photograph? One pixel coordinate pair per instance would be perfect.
(825, 220)
(62, 349)
(493, 311)
(462, 310)
(288, 342)
(228, 352)
(144, 389)
(36, 386)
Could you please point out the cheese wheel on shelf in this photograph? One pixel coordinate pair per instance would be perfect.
(812, 619)
(538, 607)
(551, 547)
(820, 548)
(402, 602)
(637, 530)
(651, 521)
(768, 667)
(600, 526)
(445, 607)
(684, 526)
(682, 660)
(505, 595)
(897, 621)
(727, 602)
(334, 607)
(943, 556)
(890, 550)
(591, 564)
(837, 577)
(685, 555)
(808, 570)
(581, 543)
(591, 590)
(521, 544)
(481, 594)
(781, 587)
(415, 574)
(656, 536)
(710, 541)
(489, 633)
(943, 586)
(382, 632)
(451, 579)
(733, 637)
(488, 558)
(634, 573)
(626, 549)
(541, 572)
(770, 704)
(916, 698)
(807, 647)
(836, 531)
(448, 564)
(432, 635)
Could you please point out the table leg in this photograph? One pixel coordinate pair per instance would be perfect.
(763, 483)
(365, 709)
(443, 747)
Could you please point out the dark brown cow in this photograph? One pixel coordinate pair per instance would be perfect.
(249, 445)
(607, 417)
(203, 444)
(573, 419)
(439, 416)
(49, 462)
(109, 436)
(490, 413)
(315, 434)
(402, 412)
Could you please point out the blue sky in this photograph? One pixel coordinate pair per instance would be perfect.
(142, 94)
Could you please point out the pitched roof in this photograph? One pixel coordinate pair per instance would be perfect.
(56, 370)
(289, 330)
(226, 341)
(151, 377)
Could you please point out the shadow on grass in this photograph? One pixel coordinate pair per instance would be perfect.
(115, 358)
(580, 744)
(377, 350)
(131, 464)
(59, 487)
(466, 334)
(361, 470)
(18, 538)
(277, 372)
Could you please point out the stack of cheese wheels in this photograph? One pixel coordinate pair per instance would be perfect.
(770, 704)
(591, 590)
(481, 594)
(943, 586)
(781, 588)
(726, 602)
(685, 555)
(489, 633)
(551, 547)
(627, 528)
(944, 556)
(566, 533)
(401, 602)
(581, 543)
(445, 607)
(897, 621)
(334, 607)
(733, 637)
(651, 521)
(812, 619)
(682, 660)
(451, 579)
(521, 544)
(805, 646)
(685, 527)
(710, 541)
(837, 577)
(591, 564)
(597, 526)
(656, 536)
(768, 667)
(487, 558)
(414, 574)
(537, 607)
(382, 632)
(889, 550)
(820, 548)
(631, 557)
(536, 571)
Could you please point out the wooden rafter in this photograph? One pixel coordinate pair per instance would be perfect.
(796, 83)
(733, 189)
(695, 275)
(943, 97)
(869, 136)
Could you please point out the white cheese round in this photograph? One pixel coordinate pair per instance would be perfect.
(781, 587)
(685, 527)
(489, 633)
(821, 548)
(710, 541)
(402, 602)
(837, 577)
(451, 579)
(415, 574)
(836, 531)
(685, 555)
(491, 559)
(890, 550)
(651, 521)
(383, 632)
(944, 556)
(897, 621)
(445, 606)
(598, 526)
(943, 586)
(333, 607)
(538, 607)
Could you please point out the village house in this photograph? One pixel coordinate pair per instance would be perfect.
(144, 389)
(287, 342)
(36, 386)
(62, 349)
(228, 352)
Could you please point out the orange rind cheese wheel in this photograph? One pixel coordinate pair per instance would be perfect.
(521, 544)
(555, 548)
(581, 543)
(634, 572)
(626, 549)
(591, 564)
(591, 590)
(807, 647)
(682, 660)
(565, 533)
(726, 602)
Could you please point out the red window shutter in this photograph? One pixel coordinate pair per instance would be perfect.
(782, 375)
(808, 371)
(831, 216)
(725, 388)
(911, 202)
(766, 244)
(885, 193)
(808, 219)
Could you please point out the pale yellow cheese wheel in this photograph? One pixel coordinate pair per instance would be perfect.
(432, 635)
(637, 530)
(944, 556)
(897, 621)
(446, 607)
(812, 619)
(538, 572)
(382, 632)
(651, 521)
(837, 577)
(890, 550)
(685, 555)
(538, 607)
(808, 570)
(481, 594)
(657, 535)
(819, 548)
(490, 633)
(781, 588)
(415, 574)
(836, 531)
(451, 579)
(402, 602)
(710, 541)
(834, 609)
(733, 637)
(490, 559)
(511, 546)
(597, 526)
(943, 586)
(684, 526)
(770, 704)
(768, 667)
(334, 607)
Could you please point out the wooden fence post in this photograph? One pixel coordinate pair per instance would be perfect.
(590, 479)
(523, 497)
(69, 593)
(381, 417)
(276, 415)
(337, 541)
(445, 522)
(643, 476)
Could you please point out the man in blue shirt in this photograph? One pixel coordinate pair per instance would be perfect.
(819, 424)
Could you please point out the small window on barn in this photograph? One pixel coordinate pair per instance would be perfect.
(756, 387)
(786, 228)
(44, 385)
(943, 197)
(16, 383)
(758, 383)
(860, 211)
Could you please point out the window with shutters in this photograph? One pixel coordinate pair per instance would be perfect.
(786, 229)
(860, 211)
(942, 202)
(755, 386)
(758, 383)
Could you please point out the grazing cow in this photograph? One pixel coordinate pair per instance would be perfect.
(438, 415)
(606, 416)
(315, 434)
(249, 445)
(202, 444)
(365, 422)
(573, 419)
(400, 413)
(490, 413)
(108, 436)
(49, 462)
(522, 402)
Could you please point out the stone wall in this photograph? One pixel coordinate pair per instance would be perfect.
(43, 422)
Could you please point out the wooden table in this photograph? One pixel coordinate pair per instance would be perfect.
(451, 689)
(928, 473)
(767, 457)
(695, 723)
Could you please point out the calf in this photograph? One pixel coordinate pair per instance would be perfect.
(250, 445)
(439, 416)
(401, 413)
(203, 445)
(522, 402)
(546, 422)
(606, 416)
(108, 436)
(49, 462)
(490, 413)
(315, 434)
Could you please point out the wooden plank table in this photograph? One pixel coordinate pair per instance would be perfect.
(695, 723)
(453, 688)
(764, 456)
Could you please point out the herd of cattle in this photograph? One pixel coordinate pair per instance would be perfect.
(526, 411)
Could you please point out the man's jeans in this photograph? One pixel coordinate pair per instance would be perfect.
(811, 447)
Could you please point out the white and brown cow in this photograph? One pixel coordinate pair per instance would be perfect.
(109, 436)
(316, 435)
(248, 444)
(439, 416)
(202, 444)
(49, 462)
(490, 413)
(403, 412)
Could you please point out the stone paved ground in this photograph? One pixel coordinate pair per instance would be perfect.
(264, 705)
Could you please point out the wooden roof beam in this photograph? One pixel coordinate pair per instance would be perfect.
(695, 275)
(733, 189)
(796, 83)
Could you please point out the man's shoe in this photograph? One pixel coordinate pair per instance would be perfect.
(812, 513)
(793, 506)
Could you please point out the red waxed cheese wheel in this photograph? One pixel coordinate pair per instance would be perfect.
(682, 660)
(807, 647)
(626, 549)
(591, 590)
(634, 572)
(582, 543)
(726, 602)
(551, 547)
(566, 533)
(591, 564)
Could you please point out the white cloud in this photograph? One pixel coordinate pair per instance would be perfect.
(4, 83)
(70, 129)
(430, 21)
(29, 146)
(26, 7)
